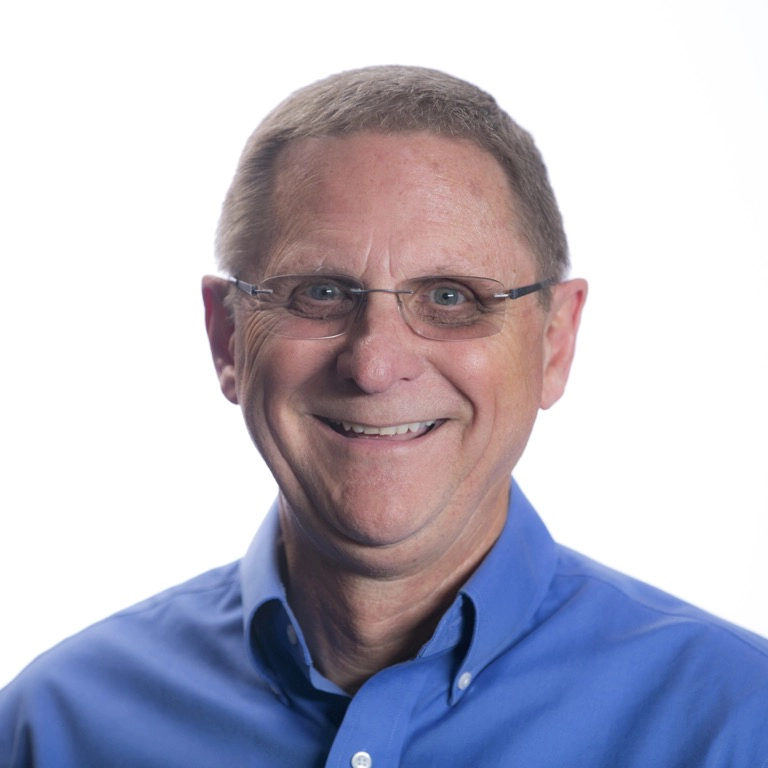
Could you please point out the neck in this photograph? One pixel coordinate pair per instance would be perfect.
(355, 623)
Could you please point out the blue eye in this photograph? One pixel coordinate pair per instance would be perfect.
(317, 297)
(447, 296)
(324, 292)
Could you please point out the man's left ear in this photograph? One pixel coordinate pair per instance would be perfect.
(563, 319)
(220, 327)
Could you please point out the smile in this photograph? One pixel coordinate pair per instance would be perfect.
(411, 429)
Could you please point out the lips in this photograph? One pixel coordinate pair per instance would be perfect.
(405, 431)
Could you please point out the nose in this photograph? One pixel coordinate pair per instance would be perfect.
(380, 349)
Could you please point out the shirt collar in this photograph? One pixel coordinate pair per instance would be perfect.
(260, 568)
(509, 586)
(266, 613)
(499, 600)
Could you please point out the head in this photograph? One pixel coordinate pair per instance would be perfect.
(390, 100)
(392, 449)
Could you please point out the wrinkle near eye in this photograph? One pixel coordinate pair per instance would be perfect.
(257, 328)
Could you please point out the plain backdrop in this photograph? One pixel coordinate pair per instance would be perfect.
(125, 471)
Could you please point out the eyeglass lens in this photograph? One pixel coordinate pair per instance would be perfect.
(442, 307)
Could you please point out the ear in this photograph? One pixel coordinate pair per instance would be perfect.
(563, 319)
(221, 328)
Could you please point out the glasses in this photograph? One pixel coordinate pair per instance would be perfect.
(442, 307)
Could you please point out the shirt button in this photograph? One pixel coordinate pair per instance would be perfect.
(464, 681)
(361, 760)
(291, 632)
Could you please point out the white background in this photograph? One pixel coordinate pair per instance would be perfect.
(124, 469)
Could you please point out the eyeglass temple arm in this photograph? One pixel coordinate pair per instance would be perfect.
(516, 293)
(249, 288)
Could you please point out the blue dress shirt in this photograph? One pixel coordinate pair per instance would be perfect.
(545, 659)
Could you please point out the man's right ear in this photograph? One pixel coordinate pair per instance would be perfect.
(221, 333)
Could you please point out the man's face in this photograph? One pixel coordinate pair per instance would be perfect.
(384, 209)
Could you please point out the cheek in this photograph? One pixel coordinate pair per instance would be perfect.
(253, 349)
(502, 380)
(273, 374)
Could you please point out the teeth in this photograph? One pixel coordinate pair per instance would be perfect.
(397, 429)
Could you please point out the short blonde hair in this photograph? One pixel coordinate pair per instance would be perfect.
(389, 99)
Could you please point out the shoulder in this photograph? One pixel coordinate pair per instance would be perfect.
(142, 654)
(209, 600)
(623, 601)
(217, 590)
(690, 675)
(636, 667)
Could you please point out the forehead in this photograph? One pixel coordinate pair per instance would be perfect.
(417, 201)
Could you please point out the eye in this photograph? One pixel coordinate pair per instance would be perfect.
(323, 291)
(318, 297)
(447, 295)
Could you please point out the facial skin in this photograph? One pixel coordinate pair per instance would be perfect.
(384, 209)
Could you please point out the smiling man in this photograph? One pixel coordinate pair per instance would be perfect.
(396, 312)
(392, 436)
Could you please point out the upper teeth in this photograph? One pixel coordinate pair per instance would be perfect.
(399, 429)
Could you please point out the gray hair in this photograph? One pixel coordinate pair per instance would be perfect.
(389, 99)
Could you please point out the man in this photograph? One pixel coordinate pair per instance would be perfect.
(397, 313)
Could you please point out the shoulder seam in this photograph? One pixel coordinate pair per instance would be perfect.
(702, 617)
(171, 593)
